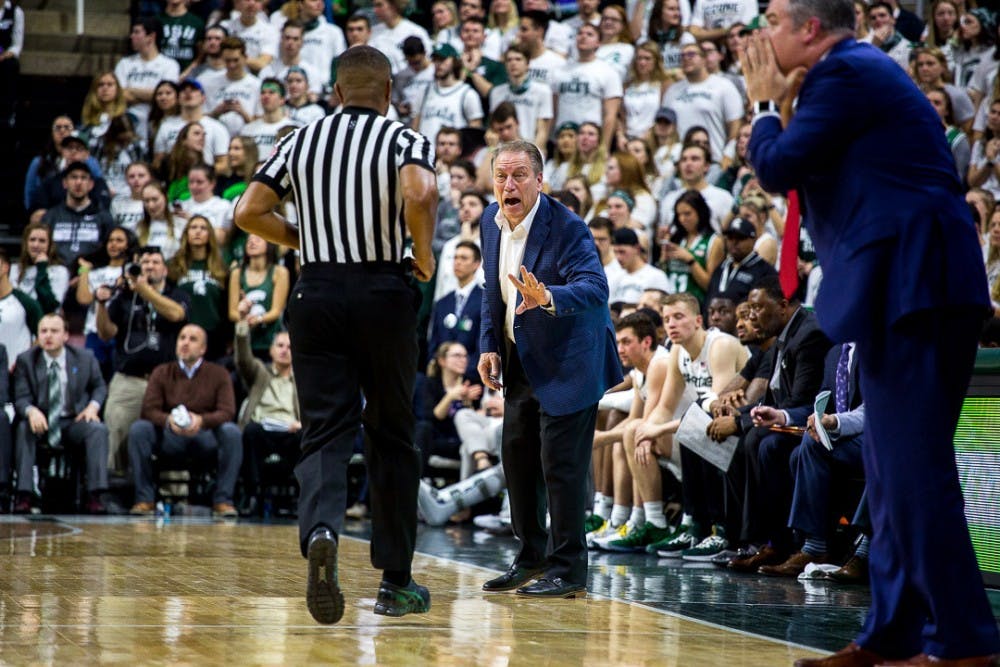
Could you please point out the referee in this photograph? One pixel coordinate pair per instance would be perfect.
(356, 178)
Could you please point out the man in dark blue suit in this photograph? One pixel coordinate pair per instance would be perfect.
(904, 278)
(550, 334)
(457, 314)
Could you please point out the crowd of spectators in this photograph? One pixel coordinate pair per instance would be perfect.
(136, 296)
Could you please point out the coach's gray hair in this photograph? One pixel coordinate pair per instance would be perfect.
(520, 146)
(833, 15)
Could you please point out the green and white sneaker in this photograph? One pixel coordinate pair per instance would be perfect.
(611, 534)
(684, 538)
(638, 539)
(604, 530)
(593, 522)
(674, 532)
(709, 547)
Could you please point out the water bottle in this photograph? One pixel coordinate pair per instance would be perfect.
(167, 508)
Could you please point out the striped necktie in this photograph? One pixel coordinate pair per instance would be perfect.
(55, 405)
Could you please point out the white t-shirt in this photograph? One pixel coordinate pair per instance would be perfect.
(619, 55)
(543, 68)
(628, 287)
(560, 38)
(126, 211)
(216, 137)
(719, 203)
(454, 106)
(58, 279)
(640, 102)
(305, 114)
(246, 90)
(214, 208)
(412, 87)
(261, 38)
(96, 277)
(582, 89)
(712, 104)
(715, 14)
(279, 70)
(15, 334)
(134, 72)
(320, 46)
(264, 134)
(390, 41)
(533, 101)
(159, 235)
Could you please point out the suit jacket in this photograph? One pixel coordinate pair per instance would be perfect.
(83, 379)
(800, 358)
(882, 201)
(852, 420)
(464, 330)
(570, 357)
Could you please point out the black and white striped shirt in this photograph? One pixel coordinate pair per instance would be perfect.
(343, 171)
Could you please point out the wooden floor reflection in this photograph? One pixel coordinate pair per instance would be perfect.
(139, 592)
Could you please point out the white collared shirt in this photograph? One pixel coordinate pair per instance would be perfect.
(190, 371)
(512, 243)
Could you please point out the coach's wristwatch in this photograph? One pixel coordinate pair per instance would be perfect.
(765, 106)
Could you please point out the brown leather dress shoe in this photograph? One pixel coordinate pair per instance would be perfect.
(924, 660)
(142, 509)
(767, 555)
(854, 571)
(794, 566)
(851, 655)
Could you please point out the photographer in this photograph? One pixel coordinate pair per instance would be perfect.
(142, 313)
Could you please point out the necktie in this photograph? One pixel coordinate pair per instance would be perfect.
(459, 303)
(55, 405)
(842, 377)
(788, 271)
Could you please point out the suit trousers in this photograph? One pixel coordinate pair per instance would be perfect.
(927, 592)
(546, 460)
(223, 442)
(813, 469)
(259, 444)
(353, 332)
(92, 436)
(6, 451)
(704, 492)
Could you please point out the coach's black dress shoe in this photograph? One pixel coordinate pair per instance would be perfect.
(553, 588)
(513, 578)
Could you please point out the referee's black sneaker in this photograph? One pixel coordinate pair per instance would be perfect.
(396, 600)
(323, 595)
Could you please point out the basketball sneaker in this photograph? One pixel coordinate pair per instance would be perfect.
(709, 547)
(637, 540)
(685, 538)
(611, 534)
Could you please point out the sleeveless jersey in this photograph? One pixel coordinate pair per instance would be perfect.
(696, 372)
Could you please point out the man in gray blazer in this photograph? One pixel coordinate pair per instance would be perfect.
(58, 393)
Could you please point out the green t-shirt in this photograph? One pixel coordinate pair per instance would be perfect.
(206, 296)
(181, 35)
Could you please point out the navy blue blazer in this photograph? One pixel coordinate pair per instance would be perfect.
(882, 200)
(569, 358)
(464, 327)
(799, 415)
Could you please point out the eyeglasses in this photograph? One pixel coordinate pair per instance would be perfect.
(612, 19)
(63, 126)
(690, 55)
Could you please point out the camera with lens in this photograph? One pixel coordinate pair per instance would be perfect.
(133, 270)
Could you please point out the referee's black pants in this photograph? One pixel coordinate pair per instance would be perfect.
(353, 330)
(546, 460)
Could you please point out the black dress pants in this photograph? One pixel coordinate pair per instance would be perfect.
(546, 460)
(353, 333)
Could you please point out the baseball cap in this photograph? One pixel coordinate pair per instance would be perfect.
(741, 227)
(756, 23)
(73, 138)
(77, 166)
(444, 50)
(625, 236)
(191, 83)
(667, 114)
